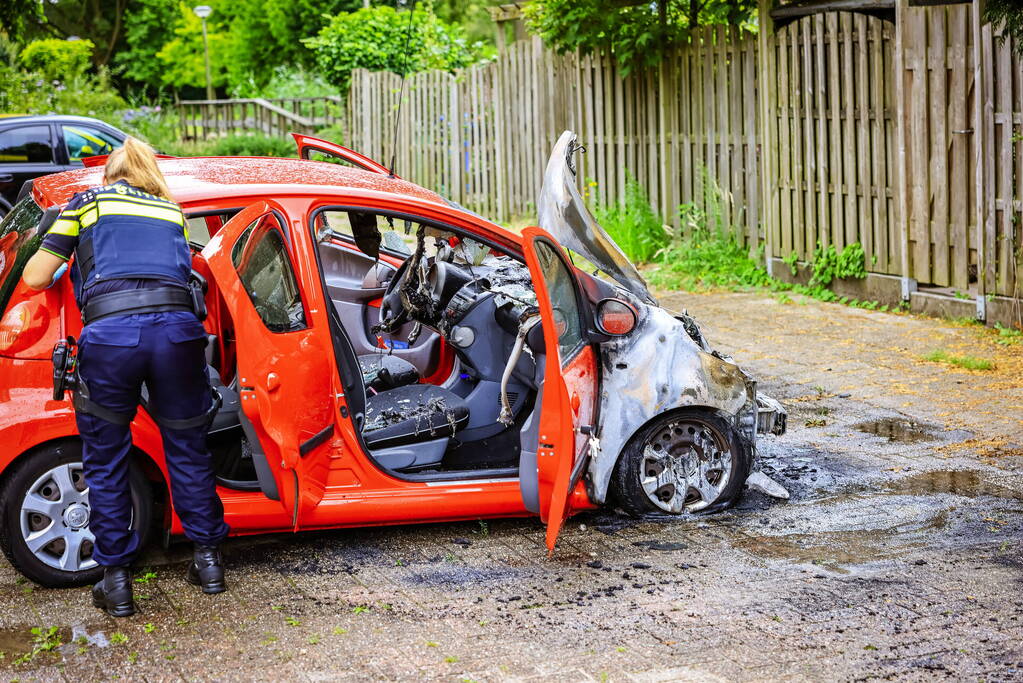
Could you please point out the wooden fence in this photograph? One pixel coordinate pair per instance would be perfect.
(482, 135)
(201, 119)
(827, 131)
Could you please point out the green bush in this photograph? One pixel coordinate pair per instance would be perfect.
(634, 225)
(375, 38)
(58, 59)
(829, 264)
(241, 145)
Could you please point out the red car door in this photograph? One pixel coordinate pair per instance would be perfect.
(570, 380)
(283, 359)
(308, 145)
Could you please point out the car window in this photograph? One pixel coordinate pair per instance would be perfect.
(198, 230)
(561, 289)
(26, 145)
(261, 259)
(18, 241)
(397, 235)
(86, 141)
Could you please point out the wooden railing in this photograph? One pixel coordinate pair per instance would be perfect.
(201, 119)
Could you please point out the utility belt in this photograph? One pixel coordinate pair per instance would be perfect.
(67, 378)
(158, 300)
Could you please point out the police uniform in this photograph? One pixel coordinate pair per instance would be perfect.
(131, 273)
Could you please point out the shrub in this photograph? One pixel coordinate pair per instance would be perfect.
(58, 59)
(634, 225)
(241, 145)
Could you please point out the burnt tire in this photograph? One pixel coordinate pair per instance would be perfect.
(660, 468)
(44, 496)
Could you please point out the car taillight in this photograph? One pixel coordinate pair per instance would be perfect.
(615, 317)
(22, 326)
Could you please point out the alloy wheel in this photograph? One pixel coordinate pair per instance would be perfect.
(686, 465)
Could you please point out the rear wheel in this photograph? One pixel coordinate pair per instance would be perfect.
(687, 461)
(44, 530)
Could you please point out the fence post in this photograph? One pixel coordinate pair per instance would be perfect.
(766, 95)
(901, 181)
(983, 134)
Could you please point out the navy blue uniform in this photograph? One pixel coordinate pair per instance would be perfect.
(126, 239)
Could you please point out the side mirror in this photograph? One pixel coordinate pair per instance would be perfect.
(615, 317)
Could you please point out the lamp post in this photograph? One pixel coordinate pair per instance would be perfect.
(203, 11)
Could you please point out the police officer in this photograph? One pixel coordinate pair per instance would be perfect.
(131, 277)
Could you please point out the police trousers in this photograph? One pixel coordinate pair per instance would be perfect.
(117, 355)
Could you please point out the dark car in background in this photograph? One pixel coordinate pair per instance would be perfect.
(31, 146)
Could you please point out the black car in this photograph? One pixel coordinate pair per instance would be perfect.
(31, 146)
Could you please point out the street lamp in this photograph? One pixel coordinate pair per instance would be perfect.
(203, 11)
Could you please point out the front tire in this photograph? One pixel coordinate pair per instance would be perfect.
(44, 519)
(686, 461)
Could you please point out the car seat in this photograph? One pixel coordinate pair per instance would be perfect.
(409, 427)
(384, 371)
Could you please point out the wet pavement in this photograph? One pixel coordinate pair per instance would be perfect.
(897, 557)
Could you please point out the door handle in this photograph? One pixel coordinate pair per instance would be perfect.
(273, 382)
(6, 177)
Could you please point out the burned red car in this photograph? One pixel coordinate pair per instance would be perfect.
(384, 357)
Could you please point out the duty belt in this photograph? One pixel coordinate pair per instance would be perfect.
(131, 301)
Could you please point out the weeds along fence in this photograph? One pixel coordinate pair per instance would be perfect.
(837, 128)
(202, 119)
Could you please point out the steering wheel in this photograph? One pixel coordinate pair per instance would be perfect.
(393, 313)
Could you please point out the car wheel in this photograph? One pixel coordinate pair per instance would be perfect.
(44, 530)
(687, 461)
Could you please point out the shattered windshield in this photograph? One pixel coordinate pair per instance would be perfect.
(564, 215)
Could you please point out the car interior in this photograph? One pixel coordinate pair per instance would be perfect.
(444, 332)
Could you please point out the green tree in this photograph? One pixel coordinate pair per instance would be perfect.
(636, 31)
(1007, 16)
(375, 38)
(183, 56)
(145, 33)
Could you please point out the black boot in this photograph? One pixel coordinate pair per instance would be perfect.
(207, 569)
(113, 594)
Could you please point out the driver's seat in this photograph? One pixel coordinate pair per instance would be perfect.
(383, 372)
(409, 428)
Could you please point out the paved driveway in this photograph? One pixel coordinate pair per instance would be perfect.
(898, 555)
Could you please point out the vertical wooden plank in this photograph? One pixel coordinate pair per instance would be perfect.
(938, 186)
(958, 127)
(810, 154)
(918, 136)
(823, 199)
(833, 124)
(847, 96)
(781, 243)
(758, 196)
(865, 212)
(685, 123)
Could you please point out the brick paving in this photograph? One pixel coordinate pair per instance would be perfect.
(895, 558)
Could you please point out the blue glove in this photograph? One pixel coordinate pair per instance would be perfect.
(58, 275)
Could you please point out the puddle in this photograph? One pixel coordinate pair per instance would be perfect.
(967, 483)
(836, 550)
(896, 429)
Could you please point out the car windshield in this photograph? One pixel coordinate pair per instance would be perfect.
(18, 241)
(564, 215)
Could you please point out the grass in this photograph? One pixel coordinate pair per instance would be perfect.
(965, 362)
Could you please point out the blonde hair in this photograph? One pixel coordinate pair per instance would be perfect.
(135, 162)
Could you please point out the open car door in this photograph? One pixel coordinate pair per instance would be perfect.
(309, 146)
(283, 361)
(568, 414)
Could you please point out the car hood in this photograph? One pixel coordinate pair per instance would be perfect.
(564, 215)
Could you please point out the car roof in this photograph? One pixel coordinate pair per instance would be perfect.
(194, 179)
(50, 118)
